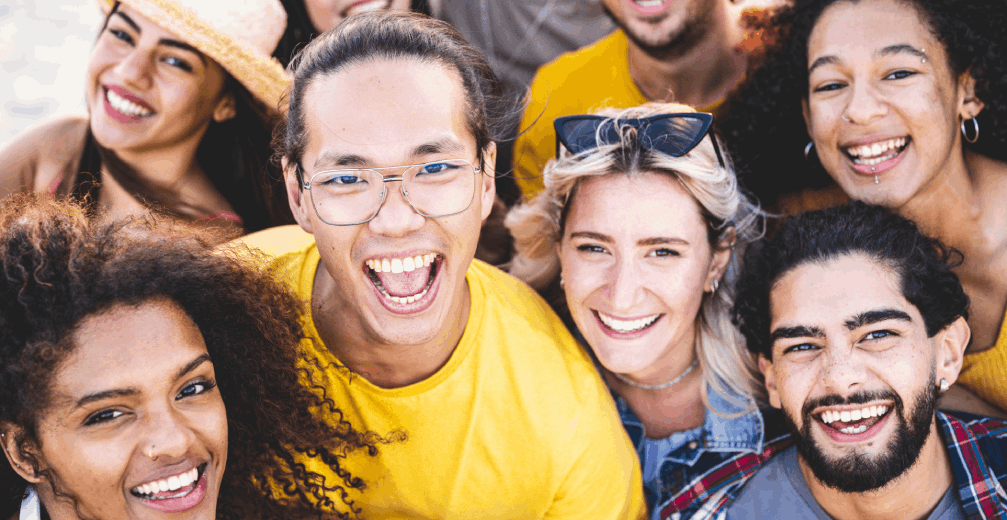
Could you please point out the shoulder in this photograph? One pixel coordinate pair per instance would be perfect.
(578, 70)
(40, 154)
(284, 250)
(987, 434)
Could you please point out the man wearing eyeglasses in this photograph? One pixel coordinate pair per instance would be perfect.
(489, 408)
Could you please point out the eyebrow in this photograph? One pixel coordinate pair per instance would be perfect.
(331, 158)
(876, 316)
(653, 241)
(164, 41)
(799, 331)
(890, 50)
(128, 392)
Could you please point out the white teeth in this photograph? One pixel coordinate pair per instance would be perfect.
(396, 265)
(171, 483)
(401, 265)
(627, 325)
(844, 416)
(386, 266)
(649, 3)
(853, 430)
(408, 265)
(855, 415)
(877, 152)
(125, 106)
(831, 416)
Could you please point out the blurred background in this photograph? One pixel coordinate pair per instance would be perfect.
(44, 46)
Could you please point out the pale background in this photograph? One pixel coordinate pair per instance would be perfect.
(44, 46)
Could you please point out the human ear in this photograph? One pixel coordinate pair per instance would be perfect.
(969, 105)
(226, 108)
(950, 345)
(721, 256)
(488, 175)
(9, 436)
(806, 111)
(299, 205)
(766, 366)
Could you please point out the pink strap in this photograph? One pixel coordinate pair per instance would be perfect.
(55, 185)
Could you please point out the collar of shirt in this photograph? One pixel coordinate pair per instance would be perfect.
(980, 480)
(734, 433)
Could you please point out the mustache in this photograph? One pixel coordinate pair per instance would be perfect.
(862, 397)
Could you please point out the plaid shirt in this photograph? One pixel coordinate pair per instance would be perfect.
(977, 449)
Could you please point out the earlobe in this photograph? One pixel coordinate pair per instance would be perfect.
(951, 344)
(20, 465)
(766, 367)
(721, 256)
(296, 196)
(489, 180)
(226, 108)
(971, 106)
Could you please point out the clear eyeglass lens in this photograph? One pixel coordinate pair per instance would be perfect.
(433, 189)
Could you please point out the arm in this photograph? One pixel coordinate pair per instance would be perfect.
(36, 158)
(603, 481)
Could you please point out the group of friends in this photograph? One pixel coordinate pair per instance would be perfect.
(300, 260)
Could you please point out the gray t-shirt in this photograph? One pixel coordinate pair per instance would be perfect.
(778, 490)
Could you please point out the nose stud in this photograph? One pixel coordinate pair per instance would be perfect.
(846, 118)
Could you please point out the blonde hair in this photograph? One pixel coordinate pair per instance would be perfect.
(537, 227)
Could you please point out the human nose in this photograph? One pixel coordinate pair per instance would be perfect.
(843, 372)
(625, 289)
(865, 104)
(396, 217)
(168, 437)
(134, 68)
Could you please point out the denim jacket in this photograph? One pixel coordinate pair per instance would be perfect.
(698, 472)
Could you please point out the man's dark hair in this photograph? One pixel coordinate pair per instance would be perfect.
(58, 267)
(922, 263)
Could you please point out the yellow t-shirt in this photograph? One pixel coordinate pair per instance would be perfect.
(985, 373)
(579, 82)
(517, 424)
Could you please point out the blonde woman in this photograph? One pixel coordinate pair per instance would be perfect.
(637, 240)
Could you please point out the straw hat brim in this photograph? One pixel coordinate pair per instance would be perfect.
(262, 75)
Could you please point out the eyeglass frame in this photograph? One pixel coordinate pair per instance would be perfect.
(641, 124)
(306, 184)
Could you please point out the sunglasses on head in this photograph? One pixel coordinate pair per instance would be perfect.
(671, 134)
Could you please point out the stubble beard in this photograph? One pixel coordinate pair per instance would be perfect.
(679, 40)
(859, 472)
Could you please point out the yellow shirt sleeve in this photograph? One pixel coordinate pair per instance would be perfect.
(985, 372)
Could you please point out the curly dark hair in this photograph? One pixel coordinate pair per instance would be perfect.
(923, 264)
(59, 267)
(764, 126)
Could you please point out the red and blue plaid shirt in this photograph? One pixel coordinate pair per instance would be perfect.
(977, 449)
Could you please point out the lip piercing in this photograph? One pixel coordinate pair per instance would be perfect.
(846, 119)
(876, 179)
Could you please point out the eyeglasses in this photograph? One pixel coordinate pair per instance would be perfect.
(672, 134)
(353, 196)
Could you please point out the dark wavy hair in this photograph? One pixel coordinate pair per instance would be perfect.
(764, 126)
(923, 264)
(59, 266)
(393, 35)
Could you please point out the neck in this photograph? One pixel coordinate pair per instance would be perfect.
(911, 496)
(948, 207)
(363, 352)
(698, 76)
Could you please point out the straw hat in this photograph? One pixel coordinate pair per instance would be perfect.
(240, 35)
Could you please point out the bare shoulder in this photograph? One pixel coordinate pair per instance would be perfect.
(35, 158)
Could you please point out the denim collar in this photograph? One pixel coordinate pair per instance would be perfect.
(744, 433)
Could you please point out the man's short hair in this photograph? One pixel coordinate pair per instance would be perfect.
(923, 264)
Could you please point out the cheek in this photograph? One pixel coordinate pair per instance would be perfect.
(91, 468)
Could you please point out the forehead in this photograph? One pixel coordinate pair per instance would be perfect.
(126, 346)
(382, 110)
(644, 204)
(826, 294)
(858, 28)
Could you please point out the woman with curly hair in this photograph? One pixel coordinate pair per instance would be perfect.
(898, 103)
(637, 240)
(138, 364)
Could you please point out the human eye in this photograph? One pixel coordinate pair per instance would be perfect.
(436, 167)
(121, 35)
(102, 416)
(803, 347)
(829, 87)
(196, 388)
(879, 334)
(900, 74)
(342, 178)
(663, 252)
(591, 248)
(177, 62)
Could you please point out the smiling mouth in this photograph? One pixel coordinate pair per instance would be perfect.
(364, 7)
(176, 486)
(404, 281)
(852, 422)
(878, 152)
(649, 3)
(626, 326)
(125, 106)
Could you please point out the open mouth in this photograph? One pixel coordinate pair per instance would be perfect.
(176, 486)
(622, 326)
(853, 422)
(878, 152)
(366, 6)
(404, 281)
(126, 107)
(649, 3)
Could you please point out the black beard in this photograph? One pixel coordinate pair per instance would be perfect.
(857, 473)
(678, 44)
